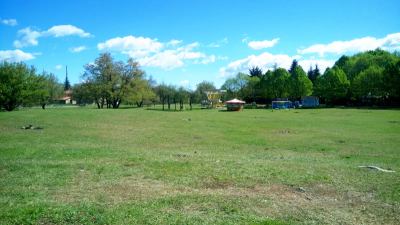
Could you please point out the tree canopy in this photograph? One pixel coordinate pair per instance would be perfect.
(111, 82)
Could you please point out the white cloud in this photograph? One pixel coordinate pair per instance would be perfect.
(166, 60)
(390, 42)
(267, 61)
(206, 60)
(174, 42)
(322, 64)
(153, 53)
(9, 22)
(29, 37)
(133, 46)
(257, 45)
(77, 49)
(66, 30)
(58, 67)
(15, 56)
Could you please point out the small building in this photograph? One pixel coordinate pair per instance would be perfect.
(234, 105)
(67, 98)
(281, 105)
(309, 101)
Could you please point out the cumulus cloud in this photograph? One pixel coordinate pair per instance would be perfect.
(66, 30)
(15, 55)
(174, 42)
(77, 49)
(267, 61)
(9, 22)
(29, 37)
(206, 59)
(58, 67)
(166, 60)
(390, 42)
(133, 46)
(257, 45)
(322, 64)
(151, 52)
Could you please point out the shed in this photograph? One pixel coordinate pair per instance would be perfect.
(309, 101)
(234, 104)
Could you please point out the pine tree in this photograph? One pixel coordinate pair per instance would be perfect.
(67, 84)
(255, 72)
(313, 74)
(310, 73)
(293, 67)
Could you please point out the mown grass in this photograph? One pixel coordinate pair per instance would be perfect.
(138, 166)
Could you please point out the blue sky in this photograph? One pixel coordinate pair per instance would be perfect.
(186, 42)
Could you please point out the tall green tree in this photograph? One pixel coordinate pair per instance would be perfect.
(391, 80)
(183, 96)
(299, 84)
(15, 84)
(67, 84)
(370, 83)
(45, 89)
(83, 94)
(293, 66)
(201, 89)
(140, 91)
(313, 74)
(265, 86)
(236, 86)
(162, 92)
(111, 82)
(333, 86)
(279, 83)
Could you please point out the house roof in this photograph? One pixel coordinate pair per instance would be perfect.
(235, 101)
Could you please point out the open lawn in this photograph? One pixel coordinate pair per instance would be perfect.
(138, 166)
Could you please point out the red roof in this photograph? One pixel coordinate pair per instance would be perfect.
(235, 101)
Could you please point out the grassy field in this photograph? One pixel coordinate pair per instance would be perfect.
(138, 166)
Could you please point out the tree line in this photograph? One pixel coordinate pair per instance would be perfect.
(371, 77)
(21, 85)
(367, 78)
(109, 83)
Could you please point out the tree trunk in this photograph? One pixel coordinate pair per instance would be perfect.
(97, 103)
(44, 106)
(9, 107)
(139, 103)
(169, 103)
(175, 103)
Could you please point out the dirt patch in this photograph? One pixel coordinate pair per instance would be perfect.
(321, 203)
(114, 192)
(214, 183)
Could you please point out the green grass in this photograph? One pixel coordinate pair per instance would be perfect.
(138, 166)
